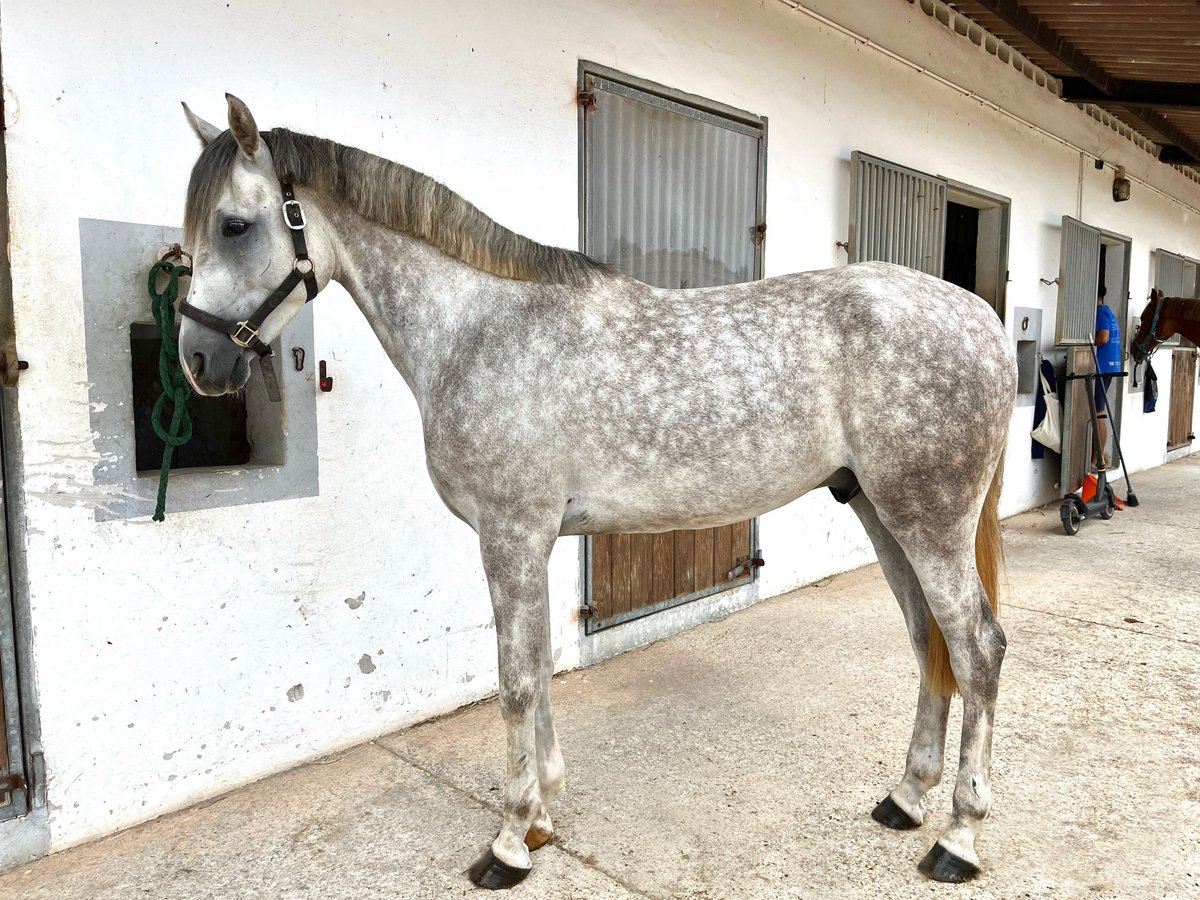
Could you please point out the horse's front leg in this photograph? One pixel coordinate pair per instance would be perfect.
(515, 555)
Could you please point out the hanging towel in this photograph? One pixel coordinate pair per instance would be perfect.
(1150, 397)
(1039, 406)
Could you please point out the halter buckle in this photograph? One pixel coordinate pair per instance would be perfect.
(287, 216)
(244, 342)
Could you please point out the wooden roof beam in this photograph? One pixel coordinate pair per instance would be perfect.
(1146, 94)
(1176, 156)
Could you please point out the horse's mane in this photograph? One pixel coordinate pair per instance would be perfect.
(393, 195)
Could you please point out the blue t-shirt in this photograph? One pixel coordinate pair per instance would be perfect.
(1109, 354)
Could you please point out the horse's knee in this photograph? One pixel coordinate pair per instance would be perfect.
(519, 694)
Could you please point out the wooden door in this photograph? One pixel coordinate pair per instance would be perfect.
(1183, 396)
(672, 194)
(637, 574)
(1077, 420)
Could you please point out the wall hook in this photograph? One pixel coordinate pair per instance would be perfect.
(298, 358)
(324, 381)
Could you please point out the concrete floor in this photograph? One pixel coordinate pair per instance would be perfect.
(742, 759)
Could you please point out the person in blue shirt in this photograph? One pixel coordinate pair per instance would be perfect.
(1108, 355)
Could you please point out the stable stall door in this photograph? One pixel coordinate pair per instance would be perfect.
(672, 195)
(1183, 397)
(1177, 276)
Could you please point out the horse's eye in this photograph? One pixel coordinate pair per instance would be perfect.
(232, 227)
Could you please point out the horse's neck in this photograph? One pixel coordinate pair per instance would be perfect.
(1184, 314)
(418, 300)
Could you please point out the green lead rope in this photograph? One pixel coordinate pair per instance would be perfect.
(170, 374)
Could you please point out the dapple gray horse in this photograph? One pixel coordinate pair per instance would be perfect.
(560, 397)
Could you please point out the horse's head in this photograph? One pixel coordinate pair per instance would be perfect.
(242, 237)
(1152, 329)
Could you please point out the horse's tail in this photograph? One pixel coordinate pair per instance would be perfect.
(989, 560)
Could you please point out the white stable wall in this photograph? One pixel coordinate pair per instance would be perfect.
(165, 653)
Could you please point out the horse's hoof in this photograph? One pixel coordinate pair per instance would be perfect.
(888, 812)
(942, 865)
(536, 838)
(489, 872)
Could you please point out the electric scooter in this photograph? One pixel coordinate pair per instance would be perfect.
(1074, 509)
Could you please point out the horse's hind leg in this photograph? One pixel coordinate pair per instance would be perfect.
(904, 807)
(942, 554)
(514, 558)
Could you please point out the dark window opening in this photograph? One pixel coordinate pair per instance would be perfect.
(218, 423)
(962, 245)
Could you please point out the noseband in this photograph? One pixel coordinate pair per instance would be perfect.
(1144, 344)
(244, 333)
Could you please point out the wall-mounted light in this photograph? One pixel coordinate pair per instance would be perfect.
(1120, 186)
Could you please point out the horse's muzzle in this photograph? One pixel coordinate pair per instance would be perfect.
(212, 374)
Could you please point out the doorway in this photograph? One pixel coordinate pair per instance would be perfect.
(672, 193)
(976, 255)
(1179, 276)
(927, 222)
(1090, 258)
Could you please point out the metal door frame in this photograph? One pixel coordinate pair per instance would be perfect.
(714, 113)
(11, 634)
(21, 725)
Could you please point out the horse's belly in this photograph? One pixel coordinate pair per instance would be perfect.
(704, 498)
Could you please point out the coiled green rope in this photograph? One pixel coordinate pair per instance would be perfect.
(170, 373)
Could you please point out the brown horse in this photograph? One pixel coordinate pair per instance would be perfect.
(1162, 319)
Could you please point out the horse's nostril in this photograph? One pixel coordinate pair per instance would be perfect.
(197, 364)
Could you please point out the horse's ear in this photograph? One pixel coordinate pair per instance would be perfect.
(242, 124)
(1155, 294)
(206, 131)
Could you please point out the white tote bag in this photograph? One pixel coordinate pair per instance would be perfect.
(1049, 432)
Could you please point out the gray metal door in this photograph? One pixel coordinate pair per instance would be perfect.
(14, 798)
(896, 215)
(1171, 276)
(672, 192)
(1078, 282)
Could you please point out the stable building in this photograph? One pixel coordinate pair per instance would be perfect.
(308, 590)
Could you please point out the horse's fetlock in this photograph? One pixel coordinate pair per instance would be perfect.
(928, 775)
(973, 799)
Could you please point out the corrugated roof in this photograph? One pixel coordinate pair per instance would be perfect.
(1137, 59)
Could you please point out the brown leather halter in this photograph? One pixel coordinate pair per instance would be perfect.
(244, 333)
